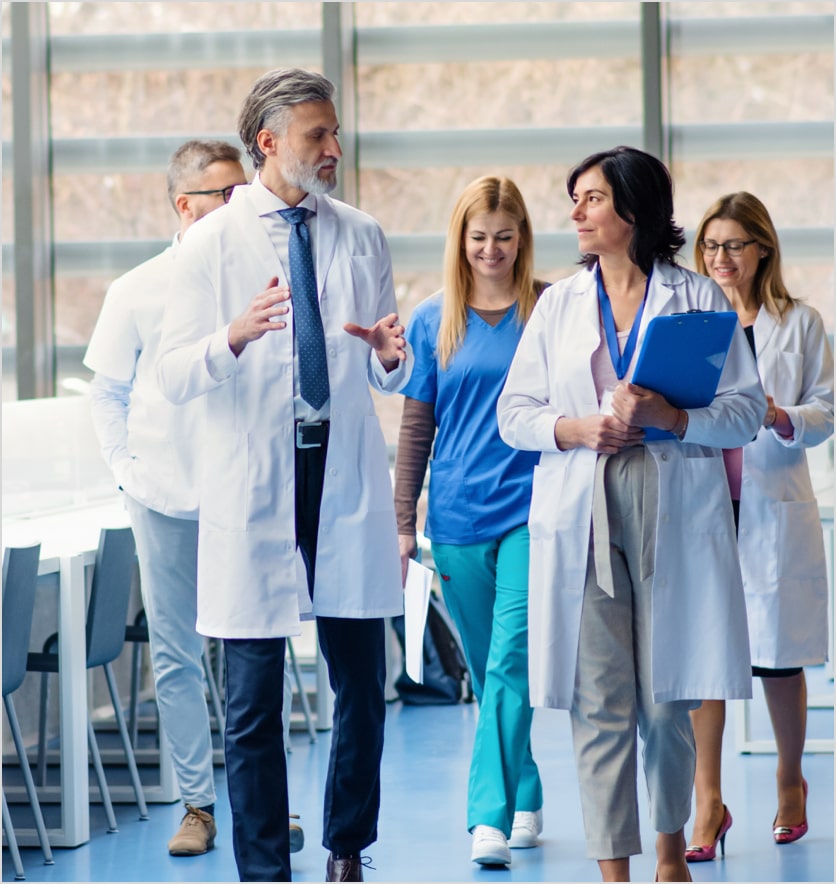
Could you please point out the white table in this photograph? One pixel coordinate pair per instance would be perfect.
(69, 541)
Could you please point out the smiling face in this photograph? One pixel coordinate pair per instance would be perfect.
(601, 230)
(491, 242)
(733, 272)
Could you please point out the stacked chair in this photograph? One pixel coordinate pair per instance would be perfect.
(20, 577)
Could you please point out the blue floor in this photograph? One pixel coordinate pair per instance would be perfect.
(423, 834)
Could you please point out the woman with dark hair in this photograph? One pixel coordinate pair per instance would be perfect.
(464, 339)
(632, 540)
(780, 539)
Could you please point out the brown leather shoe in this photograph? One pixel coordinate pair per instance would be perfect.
(344, 868)
(297, 836)
(196, 834)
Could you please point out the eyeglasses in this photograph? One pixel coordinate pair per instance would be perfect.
(226, 192)
(731, 246)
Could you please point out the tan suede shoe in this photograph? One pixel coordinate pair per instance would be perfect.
(196, 834)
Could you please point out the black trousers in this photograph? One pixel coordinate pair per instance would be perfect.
(256, 764)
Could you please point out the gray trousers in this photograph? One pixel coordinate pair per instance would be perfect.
(167, 552)
(612, 693)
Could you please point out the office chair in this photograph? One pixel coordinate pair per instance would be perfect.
(20, 577)
(107, 613)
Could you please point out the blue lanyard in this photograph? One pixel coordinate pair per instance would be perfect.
(620, 361)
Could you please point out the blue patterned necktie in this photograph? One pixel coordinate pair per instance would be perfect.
(310, 337)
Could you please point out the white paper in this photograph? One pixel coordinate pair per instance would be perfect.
(415, 604)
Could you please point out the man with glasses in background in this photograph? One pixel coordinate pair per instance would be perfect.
(149, 444)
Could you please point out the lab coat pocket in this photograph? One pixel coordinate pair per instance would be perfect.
(365, 289)
(545, 515)
(799, 534)
(784, 382)
(705, 488)
(147, 488)
(375, 478)
(226, 494)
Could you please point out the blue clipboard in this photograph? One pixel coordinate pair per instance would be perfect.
(682, 357)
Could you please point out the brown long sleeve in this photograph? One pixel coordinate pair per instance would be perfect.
(415, 441)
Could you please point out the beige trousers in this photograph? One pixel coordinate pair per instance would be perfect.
(612, 697)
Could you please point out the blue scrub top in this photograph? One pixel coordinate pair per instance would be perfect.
(480, 488)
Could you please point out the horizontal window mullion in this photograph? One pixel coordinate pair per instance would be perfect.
(725, 141)
(410, 252)
(442, 43)
(755, 35)
(159, 51)
(497, 42)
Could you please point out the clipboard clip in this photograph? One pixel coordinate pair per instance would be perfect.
(692, 310)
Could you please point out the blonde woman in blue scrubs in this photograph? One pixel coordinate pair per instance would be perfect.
(464, 339)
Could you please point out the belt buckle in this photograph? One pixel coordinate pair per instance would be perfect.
(300, 434)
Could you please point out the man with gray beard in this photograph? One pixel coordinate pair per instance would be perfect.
(285, 314)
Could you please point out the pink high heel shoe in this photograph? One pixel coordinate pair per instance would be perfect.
(788, 834)
(695, 853)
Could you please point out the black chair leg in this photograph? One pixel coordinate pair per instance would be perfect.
(100, 778)
(20, 748)
(126, 742)
(12, 842)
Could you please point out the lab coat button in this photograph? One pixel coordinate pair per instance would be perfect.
(664, 457)
(332, 352)
(332, 472)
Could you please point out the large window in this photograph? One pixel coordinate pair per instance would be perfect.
(440, 92)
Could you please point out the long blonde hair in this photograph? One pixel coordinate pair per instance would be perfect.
(751, 214)
(482, 196)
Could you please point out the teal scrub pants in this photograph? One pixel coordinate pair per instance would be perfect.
(485, 587)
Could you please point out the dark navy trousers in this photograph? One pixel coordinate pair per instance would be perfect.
(354, 652)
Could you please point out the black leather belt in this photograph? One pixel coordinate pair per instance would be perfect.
(311, 434)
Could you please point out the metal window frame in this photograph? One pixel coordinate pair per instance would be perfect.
(341, 49)
(32, 176)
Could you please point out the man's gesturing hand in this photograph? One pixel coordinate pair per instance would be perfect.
(385, 337)
(263, 314)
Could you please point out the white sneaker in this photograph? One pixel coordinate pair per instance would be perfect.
(490, 847)
(528, 824)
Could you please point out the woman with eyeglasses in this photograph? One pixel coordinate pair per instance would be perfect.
(780, 538)
(632, 539)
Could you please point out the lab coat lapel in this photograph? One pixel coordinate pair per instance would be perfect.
(765, 326)
(589, 330)
(327, 231)
(255, 236)
(663, 284)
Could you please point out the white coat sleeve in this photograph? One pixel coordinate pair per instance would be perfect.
(109, 403)
(194, 355)
(381, 380)
(524, 412)
(812, 415)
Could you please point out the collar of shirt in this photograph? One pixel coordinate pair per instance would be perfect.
(266, 202)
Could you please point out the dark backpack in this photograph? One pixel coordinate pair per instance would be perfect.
(446, 677)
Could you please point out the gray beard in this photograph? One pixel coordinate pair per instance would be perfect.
(306, 178)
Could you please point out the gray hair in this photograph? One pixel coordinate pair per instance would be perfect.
(270, 100)
(192, 159)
